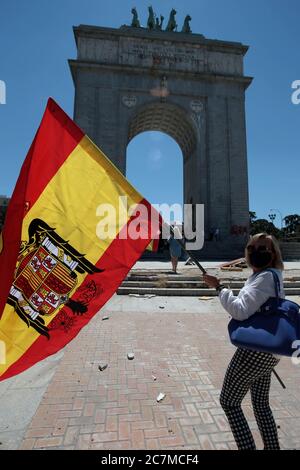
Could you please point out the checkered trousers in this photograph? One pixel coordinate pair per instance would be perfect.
(250, 370)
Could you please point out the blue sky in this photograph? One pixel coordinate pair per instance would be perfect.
(36, 39)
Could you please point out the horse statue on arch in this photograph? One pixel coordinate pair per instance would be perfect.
(151, 18)
(135, 21)
(186, 25)
(172, 25)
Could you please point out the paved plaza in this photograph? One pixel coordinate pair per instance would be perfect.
(181, 349)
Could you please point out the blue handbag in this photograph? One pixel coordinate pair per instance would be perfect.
(273, 328)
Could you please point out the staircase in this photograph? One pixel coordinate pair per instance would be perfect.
(212, 250)
(290, 251)
(165, 284)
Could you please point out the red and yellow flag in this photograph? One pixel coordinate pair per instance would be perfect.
(57, 269)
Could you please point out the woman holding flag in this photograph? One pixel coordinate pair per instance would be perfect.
(251, 370)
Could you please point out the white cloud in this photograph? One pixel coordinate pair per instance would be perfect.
(155, 157)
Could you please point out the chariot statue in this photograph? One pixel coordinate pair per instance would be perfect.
(158, 24)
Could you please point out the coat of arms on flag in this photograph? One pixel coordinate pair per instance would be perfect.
(45, 276)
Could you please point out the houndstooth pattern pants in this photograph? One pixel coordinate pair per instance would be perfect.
(250, 370)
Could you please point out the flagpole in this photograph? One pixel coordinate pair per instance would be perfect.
(204, 272)
(278, 378)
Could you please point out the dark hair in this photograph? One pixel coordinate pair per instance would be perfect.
(277, 261)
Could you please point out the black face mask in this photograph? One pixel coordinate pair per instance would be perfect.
(260, 259)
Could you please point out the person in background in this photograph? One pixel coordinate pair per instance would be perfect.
(175, 247)
(216, 235)
(251, 370)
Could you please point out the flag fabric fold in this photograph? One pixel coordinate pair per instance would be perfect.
(74, 228)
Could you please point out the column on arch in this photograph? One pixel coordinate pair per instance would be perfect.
(218, 164)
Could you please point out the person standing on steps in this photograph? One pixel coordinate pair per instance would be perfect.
(174, 247)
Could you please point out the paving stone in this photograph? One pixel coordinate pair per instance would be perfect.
(119, 409)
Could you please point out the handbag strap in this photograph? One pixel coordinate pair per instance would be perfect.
(276, 281)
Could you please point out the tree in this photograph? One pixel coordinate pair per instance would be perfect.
(292, 224)
(2, 216)
(263, 225)
(252, 216)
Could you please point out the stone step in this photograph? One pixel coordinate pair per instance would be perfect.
(192, 284)
(171, 278)
(170, 291)
(210, 253)
(166, 275)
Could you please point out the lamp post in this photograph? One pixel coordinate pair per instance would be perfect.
(277, 210)
(272, 217)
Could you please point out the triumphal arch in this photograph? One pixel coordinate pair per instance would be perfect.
(133, 79)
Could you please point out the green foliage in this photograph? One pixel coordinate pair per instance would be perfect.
(292, 224)
(291, 229)
(2, 215)
(252, 216)
(263, 225)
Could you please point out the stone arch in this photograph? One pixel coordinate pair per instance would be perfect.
(199, 101)
(168, 118)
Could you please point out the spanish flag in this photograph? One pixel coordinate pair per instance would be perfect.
(74, 228)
